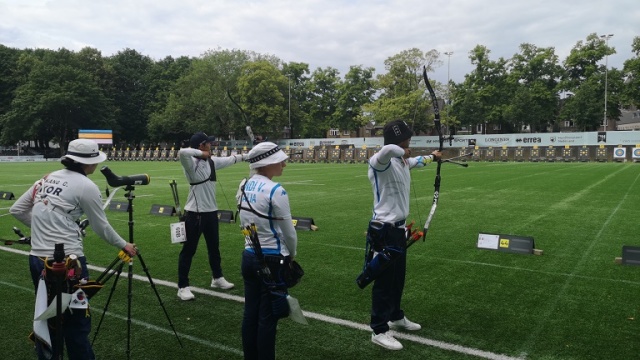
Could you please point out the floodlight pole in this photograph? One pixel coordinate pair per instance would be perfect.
(606, 80)
(448, 53)
(290, 129)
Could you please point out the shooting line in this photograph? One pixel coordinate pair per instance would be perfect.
(308, 314)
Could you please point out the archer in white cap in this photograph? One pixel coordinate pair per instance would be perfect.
(51, 208)
(201, 210)
(264, 203)
(390, 182)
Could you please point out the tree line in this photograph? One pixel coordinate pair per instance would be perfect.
(48, 95)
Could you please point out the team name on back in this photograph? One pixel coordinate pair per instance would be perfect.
(52, 187)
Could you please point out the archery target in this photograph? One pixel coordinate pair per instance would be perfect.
(636, 153)
(619, 153)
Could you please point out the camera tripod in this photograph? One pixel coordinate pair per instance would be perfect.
(118, 263)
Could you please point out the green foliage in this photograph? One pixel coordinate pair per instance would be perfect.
(357, 90)
(298, 79)
(199, 101)
(57, 99)
(322, 102)
(402, 91)
(586, 113)
(262, 87)
(631, 90)
(9, 80)
(48, 95)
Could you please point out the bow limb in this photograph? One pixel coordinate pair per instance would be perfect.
(436, 122)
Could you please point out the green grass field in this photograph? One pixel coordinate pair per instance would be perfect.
(572, 302)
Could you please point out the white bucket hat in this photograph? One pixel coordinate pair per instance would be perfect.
(85, 151)
(265, 153)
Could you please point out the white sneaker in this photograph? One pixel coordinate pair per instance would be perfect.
(185, 294)
(404, 324)
(386, 341)
(221, 283)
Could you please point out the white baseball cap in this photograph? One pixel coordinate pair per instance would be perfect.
(85, 151)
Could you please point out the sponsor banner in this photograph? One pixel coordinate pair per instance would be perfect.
(611, 138)
(25, 158)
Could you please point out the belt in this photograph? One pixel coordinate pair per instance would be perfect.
(400, 223)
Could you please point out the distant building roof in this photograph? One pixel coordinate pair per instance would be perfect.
(629, 120)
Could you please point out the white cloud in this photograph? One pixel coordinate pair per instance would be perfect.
(321, 33)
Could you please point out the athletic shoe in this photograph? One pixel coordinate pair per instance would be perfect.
(221, 283)
(404, 324)
(386, 341)
(185, 294)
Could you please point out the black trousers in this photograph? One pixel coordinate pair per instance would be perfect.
(386, 294)
(197, 224)
(258, 323)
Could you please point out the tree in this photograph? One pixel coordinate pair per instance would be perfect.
(9, 80)
(321, 103)
(354, 92)
(631, 69)
(485, 89)
(165, 74)
(203, 99)
(261, 87)
(298, 78)
(582, 70)
(402, 93)
(531, 89)
(57, 99)
(131, 90)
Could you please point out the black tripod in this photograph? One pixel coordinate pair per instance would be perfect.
(120, 260)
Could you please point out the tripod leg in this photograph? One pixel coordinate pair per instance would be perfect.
(153, 286)
(106, 305)
(129, 298)
(106, 274)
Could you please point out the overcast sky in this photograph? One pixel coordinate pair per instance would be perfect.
(321, 33)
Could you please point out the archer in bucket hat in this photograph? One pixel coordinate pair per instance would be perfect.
(390, 181)
(85, 151)
(265, 203)
(52, 208)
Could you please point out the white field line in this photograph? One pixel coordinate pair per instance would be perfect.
(553, 305)
(149, 326)
(569, 275)
(328, 319)
(564, 203)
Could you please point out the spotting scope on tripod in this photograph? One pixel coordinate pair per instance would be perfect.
(129, 183)
(117, 181)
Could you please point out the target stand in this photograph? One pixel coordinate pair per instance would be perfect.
(508, 243)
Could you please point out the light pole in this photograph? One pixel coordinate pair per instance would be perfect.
(290, 130)
(448, 102)
(606, 80)
(448, 53)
